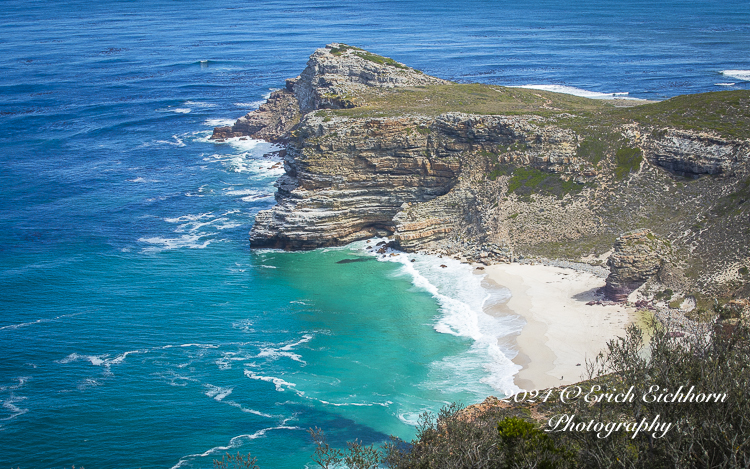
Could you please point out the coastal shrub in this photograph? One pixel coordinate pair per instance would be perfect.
(627, 160)
(691, 388)
(527, 181)
(379, 59)
(593, 149)
(665, 295)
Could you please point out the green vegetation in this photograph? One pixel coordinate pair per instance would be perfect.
(526, 181)
(666, 295)
(697, 432)
(474, 98)
(378, 59)
(628, 160)
(337, 51)
(726, 112)
(733, 203)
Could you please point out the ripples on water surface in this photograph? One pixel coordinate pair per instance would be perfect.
(139, 330)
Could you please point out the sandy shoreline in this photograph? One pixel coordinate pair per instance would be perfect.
(561, 331)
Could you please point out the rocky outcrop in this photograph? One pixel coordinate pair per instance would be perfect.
(496, 186)
(333, 79)
(696, 153)
(335, 76)
(637, 256)
(347, 178)
(272, 121)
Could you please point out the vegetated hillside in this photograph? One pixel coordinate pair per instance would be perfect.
(374, 147)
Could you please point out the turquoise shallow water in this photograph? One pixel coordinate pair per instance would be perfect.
(137, 328)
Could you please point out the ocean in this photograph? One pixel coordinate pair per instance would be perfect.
(138, 328)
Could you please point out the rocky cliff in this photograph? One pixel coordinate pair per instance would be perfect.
(377, 148)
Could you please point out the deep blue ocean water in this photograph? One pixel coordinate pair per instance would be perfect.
(137, 328)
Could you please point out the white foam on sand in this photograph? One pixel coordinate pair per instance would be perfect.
(743, 75)
(578, 92)
(462, 300)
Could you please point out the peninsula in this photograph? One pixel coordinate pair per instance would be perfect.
(652, 194)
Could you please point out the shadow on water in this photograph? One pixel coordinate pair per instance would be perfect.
(358, 259)
(338, 430)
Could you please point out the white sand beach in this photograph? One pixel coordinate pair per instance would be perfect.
(562, 332)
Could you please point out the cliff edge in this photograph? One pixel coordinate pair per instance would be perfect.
(374, 147)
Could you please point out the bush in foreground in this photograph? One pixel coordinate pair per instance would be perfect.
(686, 404)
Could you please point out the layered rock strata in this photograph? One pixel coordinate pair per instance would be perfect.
(637, 256)
(493, 187)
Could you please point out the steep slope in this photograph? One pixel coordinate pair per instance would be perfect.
(377, 148)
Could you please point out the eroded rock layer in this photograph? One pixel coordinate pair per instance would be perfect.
(535, 179)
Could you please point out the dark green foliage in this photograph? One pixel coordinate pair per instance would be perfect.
(342, 48)
(627, 160)
(448, 441)
(593, 149)
(524, 445)
(742, 271)
(527, 181)
(666, 295)
(713, 433)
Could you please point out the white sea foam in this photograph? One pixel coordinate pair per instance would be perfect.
(724, 84)
(88, 383)
(188, 218)
(252, 104)
(21, 382)
(190, 241)
(216, 392)
(249, 411)
(11, 407)
(743, 75)
(249, 162)
(278, 382)
(176, 142)
(219, 122)
(578, 92)
(38, 321)
(235, 442)
(462, 298)
(181, 110)
(198, 104)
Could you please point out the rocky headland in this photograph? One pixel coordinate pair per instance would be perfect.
(654, 192)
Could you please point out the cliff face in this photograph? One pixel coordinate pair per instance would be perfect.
(371, 151)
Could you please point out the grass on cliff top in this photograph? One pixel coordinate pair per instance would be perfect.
(473, 98)
(725, 112)
(378, 59)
